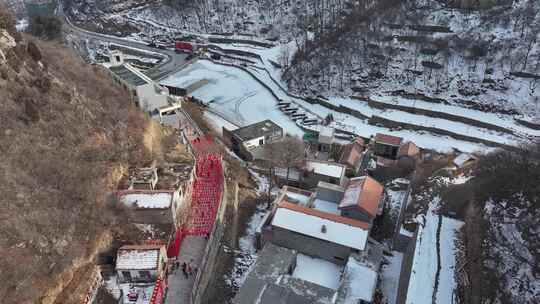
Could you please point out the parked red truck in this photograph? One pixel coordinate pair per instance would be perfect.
(181, 46)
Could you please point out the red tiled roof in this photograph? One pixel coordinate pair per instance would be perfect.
(369, 195)
(351, 154)
(408, 149)
(388, 139)
(323, 215)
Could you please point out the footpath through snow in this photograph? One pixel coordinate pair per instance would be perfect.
(434, 262)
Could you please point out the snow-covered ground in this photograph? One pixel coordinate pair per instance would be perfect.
(433, 277)
(246, 255)
(514, 226)
(270, 75)
(217, 123)
(317, 271)
(147, 200)
(390, 274)
(234, 94)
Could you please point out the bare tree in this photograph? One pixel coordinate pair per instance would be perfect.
(292, 153)
(288, 153)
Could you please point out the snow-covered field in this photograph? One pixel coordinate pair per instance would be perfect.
(433, 278)
(234, 94)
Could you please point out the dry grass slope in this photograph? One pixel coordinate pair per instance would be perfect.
(66, 136)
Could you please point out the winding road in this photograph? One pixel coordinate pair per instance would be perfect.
(173, 62)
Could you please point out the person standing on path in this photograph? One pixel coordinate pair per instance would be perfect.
(184, 269)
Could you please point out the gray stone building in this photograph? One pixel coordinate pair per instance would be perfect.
(314, 232)
(363, 199)
(248, 141)
(315, 171)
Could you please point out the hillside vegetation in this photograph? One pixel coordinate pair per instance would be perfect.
(67, 135)
(485, 56)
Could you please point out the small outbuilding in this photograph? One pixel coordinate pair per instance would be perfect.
(363, 199)
(245, 140)
(386, 146)
(140, 263)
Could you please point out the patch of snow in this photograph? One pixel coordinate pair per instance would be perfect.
(218, 123)
(301, 198)
(22, 25)
(406, 232)
(326, 206)
(324, 168)
(360, 282)
(143, 292)
(148, 200)
(318, 271)
(390, 274)
(262, 181)
(234, 94)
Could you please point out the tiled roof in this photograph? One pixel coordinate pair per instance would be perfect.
(363, 192)
(323, 215)
(321, 225)
(388, 139)
(138, 257)
(408, 149)
(352, 153)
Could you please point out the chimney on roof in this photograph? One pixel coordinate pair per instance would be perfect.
(323, 228)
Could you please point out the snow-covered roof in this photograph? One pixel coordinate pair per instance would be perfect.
(152, 200)
(325, 168)
(302, 196)
(326, 135)
(363, 192)
(317, 271)
(360, 282)
(321, 225)
(326, 206)
(138, 257)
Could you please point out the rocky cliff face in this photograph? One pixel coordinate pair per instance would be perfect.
(67, 133)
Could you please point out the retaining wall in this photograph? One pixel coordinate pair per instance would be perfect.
(527, 124)
(377, 120)
(435, 114)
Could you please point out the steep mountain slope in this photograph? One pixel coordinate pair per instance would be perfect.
(476, 54)
(67, 135)
(507, 196)
(487, 59)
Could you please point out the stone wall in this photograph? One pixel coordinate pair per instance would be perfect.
(377, 120)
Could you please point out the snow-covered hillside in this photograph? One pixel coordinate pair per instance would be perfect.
(487, 59)
(513, 248)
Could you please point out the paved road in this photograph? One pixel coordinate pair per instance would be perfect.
(172, 63)
(180, 287)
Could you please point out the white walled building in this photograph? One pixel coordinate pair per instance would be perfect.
(140, 263)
